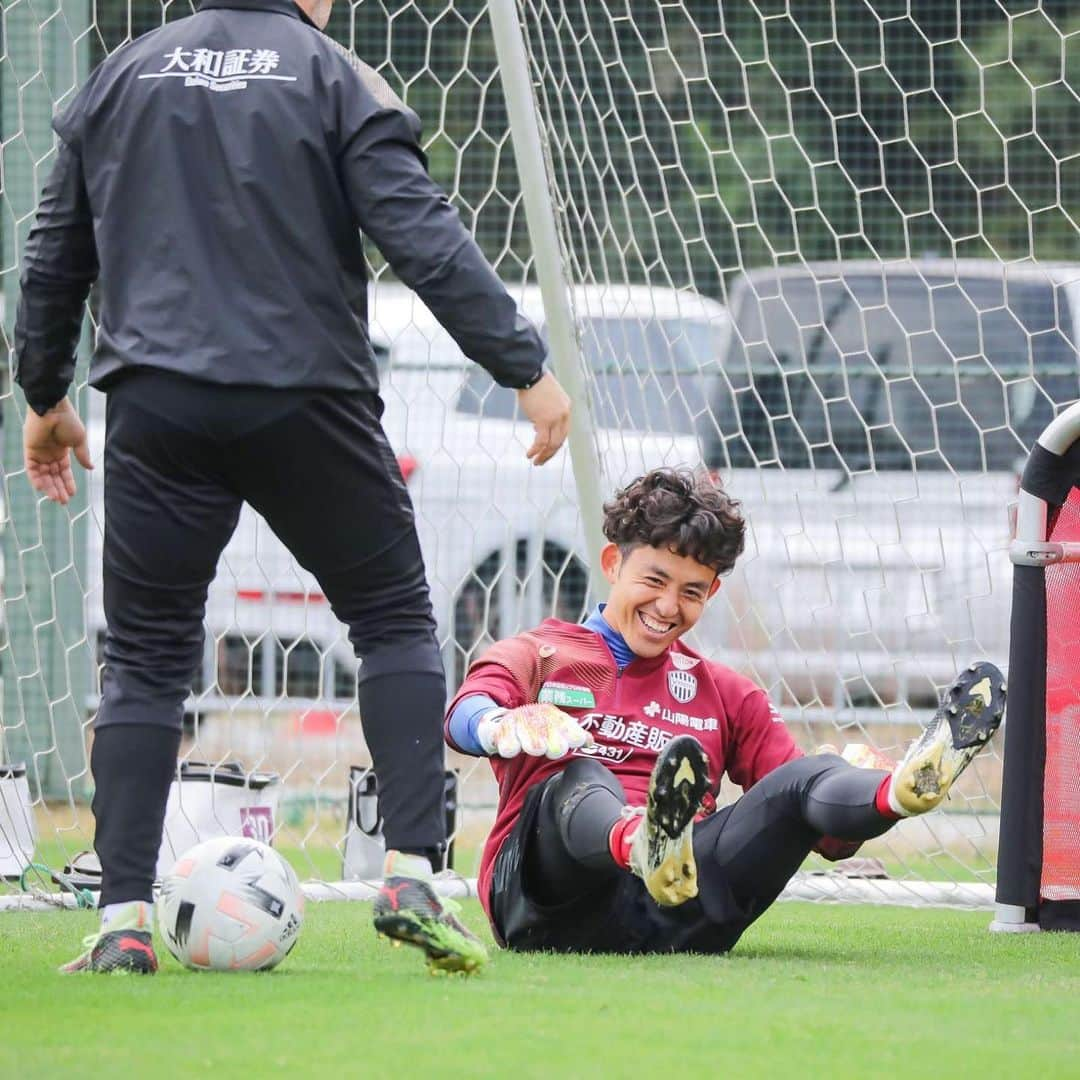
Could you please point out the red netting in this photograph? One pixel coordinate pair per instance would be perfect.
(1061, 795)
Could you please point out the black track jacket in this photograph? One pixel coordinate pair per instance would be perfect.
(216, 174)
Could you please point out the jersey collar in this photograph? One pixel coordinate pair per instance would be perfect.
(616, 645)
(278, 7)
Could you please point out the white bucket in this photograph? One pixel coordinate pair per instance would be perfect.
(17, 829)
(217, 800)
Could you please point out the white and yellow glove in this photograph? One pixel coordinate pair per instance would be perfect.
(537, 730)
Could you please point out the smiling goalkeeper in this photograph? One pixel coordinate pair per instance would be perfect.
(609, 740)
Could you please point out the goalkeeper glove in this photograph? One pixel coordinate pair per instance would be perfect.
(537, 730)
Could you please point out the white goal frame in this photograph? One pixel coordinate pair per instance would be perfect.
(596, 258)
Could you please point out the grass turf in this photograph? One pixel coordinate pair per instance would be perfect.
(811, 990)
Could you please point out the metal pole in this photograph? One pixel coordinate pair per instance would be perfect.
(1030, 547)
(1062, 431)
(543, 234)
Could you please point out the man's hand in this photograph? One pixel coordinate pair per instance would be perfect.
(537, 730)
(47, 443)
(548, 407)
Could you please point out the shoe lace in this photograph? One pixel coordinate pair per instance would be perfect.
(450, 906)
(91, 940)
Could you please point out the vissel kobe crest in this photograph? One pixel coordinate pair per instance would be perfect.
(683, 686)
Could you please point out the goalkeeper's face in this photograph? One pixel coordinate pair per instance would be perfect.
(656, 595)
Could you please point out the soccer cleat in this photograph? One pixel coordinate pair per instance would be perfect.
(966, 719)
(662, 848)
(407, 909)
(125, 946)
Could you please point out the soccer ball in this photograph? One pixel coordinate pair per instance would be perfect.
(230, 904)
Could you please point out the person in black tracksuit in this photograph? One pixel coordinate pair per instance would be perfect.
(215, 177)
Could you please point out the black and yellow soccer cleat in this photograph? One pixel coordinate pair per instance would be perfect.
(662, 849)
(125, 946)
(968, 716)
(407, 909)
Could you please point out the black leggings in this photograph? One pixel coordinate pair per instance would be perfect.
(180, 459)
(572, 896)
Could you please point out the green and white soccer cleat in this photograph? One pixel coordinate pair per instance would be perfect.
(968, 716)
(662, 849)
(124, 947)
(409, 911)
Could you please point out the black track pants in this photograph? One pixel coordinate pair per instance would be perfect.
(180, 459)
(557, 887)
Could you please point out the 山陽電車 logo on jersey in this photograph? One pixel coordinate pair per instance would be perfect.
(682, 685)
(221, 69)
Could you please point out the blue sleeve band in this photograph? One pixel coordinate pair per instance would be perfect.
(464, 721)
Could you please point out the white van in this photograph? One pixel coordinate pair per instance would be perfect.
(502, 540)
(873, 418)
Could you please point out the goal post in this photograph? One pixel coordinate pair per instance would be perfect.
(827, 251)
(1038, 882)
(534, 170)
(866, 188)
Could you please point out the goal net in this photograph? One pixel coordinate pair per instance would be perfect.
(820, 249)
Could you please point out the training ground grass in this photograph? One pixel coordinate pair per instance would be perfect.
(810, 991)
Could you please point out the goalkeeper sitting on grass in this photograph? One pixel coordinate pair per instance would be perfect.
(609, 740)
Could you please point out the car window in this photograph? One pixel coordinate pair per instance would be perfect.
(239, 665)
(422, 348)
(887, 371)
(648, 374)
(380, 350)
(297, 669)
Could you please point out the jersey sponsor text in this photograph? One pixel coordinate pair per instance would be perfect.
(220, 69)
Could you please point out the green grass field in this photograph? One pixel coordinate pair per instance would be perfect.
(810, 991)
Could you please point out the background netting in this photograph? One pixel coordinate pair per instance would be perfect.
(821, 249)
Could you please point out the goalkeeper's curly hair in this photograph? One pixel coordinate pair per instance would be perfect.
(679, 509)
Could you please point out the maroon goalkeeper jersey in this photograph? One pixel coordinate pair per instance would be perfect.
(631, 715)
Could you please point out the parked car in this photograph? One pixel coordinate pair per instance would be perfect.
(873, 418)
(502, 540)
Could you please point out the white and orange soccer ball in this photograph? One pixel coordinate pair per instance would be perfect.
(230, 904)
